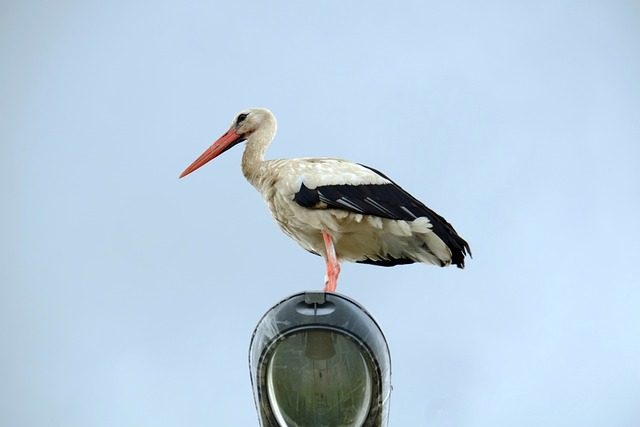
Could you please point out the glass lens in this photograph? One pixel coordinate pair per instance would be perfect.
(319, 379)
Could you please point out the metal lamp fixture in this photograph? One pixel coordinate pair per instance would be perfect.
(319, 359)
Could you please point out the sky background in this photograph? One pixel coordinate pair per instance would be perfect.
(128, 297)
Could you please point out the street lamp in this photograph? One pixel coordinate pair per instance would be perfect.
(319, 359)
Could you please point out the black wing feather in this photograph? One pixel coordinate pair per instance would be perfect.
(386, 201)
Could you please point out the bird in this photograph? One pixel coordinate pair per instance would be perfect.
(340, 210)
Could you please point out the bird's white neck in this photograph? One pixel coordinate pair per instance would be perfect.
(256, 146)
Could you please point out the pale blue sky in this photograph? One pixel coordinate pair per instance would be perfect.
(128, 297)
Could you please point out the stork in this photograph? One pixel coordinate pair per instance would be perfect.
(340, 210)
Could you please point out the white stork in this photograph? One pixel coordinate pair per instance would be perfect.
(340, 210)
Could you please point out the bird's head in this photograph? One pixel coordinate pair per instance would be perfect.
(250, 120)
(245, 124)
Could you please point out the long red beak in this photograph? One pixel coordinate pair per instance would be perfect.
(223, 143)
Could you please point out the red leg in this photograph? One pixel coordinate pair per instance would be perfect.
(333, 267)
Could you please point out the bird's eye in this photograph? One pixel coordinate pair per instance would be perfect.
(241, 118)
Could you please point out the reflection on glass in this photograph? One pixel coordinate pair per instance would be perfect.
(319, 379)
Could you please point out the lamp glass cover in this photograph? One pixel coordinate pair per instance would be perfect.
(319, 378)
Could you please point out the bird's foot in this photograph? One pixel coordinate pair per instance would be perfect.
(331, 278)
(329, 287)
